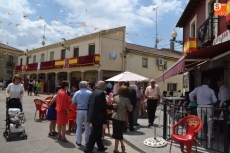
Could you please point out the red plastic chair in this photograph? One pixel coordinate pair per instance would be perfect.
(41, 106)
(48, 98)
(72, 116)
(193, 126)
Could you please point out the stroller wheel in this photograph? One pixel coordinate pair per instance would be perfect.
(5, 133)
(8, 139)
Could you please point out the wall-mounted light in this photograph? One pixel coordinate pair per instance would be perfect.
(26, 54)
(64, 44)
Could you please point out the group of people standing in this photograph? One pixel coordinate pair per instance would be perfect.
(34, 86)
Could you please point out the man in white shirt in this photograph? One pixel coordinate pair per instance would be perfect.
(205, 100)
(116, 87)
(223, 94)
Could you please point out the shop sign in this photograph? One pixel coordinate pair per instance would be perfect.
(190, 45)
(228, 11)
(225, 36)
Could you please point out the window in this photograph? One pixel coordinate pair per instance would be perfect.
(34, 59)
(213, 24)
(193, 30)
(165, 65)
(21, 60)
(27, 60)
(42, 58)
(172, 86)
(91, 49)
(144, 62)
(193, 27)
(63, 54)
(76, 52)
(51, 56)
(11, 59)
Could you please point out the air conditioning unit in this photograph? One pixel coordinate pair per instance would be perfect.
(160, 62)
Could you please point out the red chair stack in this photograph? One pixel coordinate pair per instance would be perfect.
(193, 126)
(40, 107)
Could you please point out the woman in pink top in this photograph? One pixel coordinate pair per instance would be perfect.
(62, 107)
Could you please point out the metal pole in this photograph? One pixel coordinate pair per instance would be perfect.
(226, 134)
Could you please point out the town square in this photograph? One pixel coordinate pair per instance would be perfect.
(115, 76)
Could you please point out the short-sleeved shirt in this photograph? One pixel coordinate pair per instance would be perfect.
(15, 90)
(81, 98)
(152, 92)
(38, 85)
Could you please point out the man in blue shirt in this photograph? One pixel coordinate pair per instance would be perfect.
(81, 99)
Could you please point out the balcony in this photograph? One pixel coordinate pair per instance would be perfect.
(10, 64)
(206, 32)
(88, 60)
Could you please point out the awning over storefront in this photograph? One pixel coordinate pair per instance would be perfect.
(173, 70)
(192, 59)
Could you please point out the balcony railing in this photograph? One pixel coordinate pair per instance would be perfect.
(88, 60)
(10, 64)
(206, 32)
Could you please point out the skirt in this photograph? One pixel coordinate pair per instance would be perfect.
(62, 118)
(118, 129)
(52, 113)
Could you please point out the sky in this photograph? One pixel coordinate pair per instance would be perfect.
(24, 22)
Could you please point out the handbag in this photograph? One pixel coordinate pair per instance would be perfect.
(193, 104)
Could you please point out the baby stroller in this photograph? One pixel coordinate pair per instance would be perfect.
(14, 119)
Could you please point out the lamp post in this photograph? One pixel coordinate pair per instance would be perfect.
(43, 37)
(174, 35)
(156, 40)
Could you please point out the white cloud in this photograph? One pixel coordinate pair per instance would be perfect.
(102, 14)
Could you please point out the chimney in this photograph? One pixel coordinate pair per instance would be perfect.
(171, 45)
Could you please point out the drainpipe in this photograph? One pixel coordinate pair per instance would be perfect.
(124, 51)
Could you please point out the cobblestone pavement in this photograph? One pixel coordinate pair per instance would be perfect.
(37, 131)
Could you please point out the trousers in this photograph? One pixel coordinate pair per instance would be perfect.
(95, 137)
(136, 112)
(151, 109)
(82, 118)
(205, 111)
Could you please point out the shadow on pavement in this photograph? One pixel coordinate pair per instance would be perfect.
(135, 133)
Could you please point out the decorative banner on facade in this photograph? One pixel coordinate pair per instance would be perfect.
(39, 66)
(96, 59)
(66, 63)
(24, 67)
(190, 45)
(202, 31)
(225, 36)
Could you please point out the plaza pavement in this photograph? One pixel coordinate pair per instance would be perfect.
(38, 140)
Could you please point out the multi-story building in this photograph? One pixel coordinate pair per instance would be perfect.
(8, 60)
(206, 54)
(206, 45)
(96, 56)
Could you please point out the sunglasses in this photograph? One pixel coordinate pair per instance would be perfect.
(17, 78)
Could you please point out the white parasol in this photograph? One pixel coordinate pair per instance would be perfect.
(127, 76)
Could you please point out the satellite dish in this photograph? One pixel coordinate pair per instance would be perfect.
(113, 55)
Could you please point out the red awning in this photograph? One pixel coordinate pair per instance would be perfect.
(173, 70)
(192, 59)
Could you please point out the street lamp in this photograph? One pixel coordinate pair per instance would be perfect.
(174, 35)
(64, 44)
